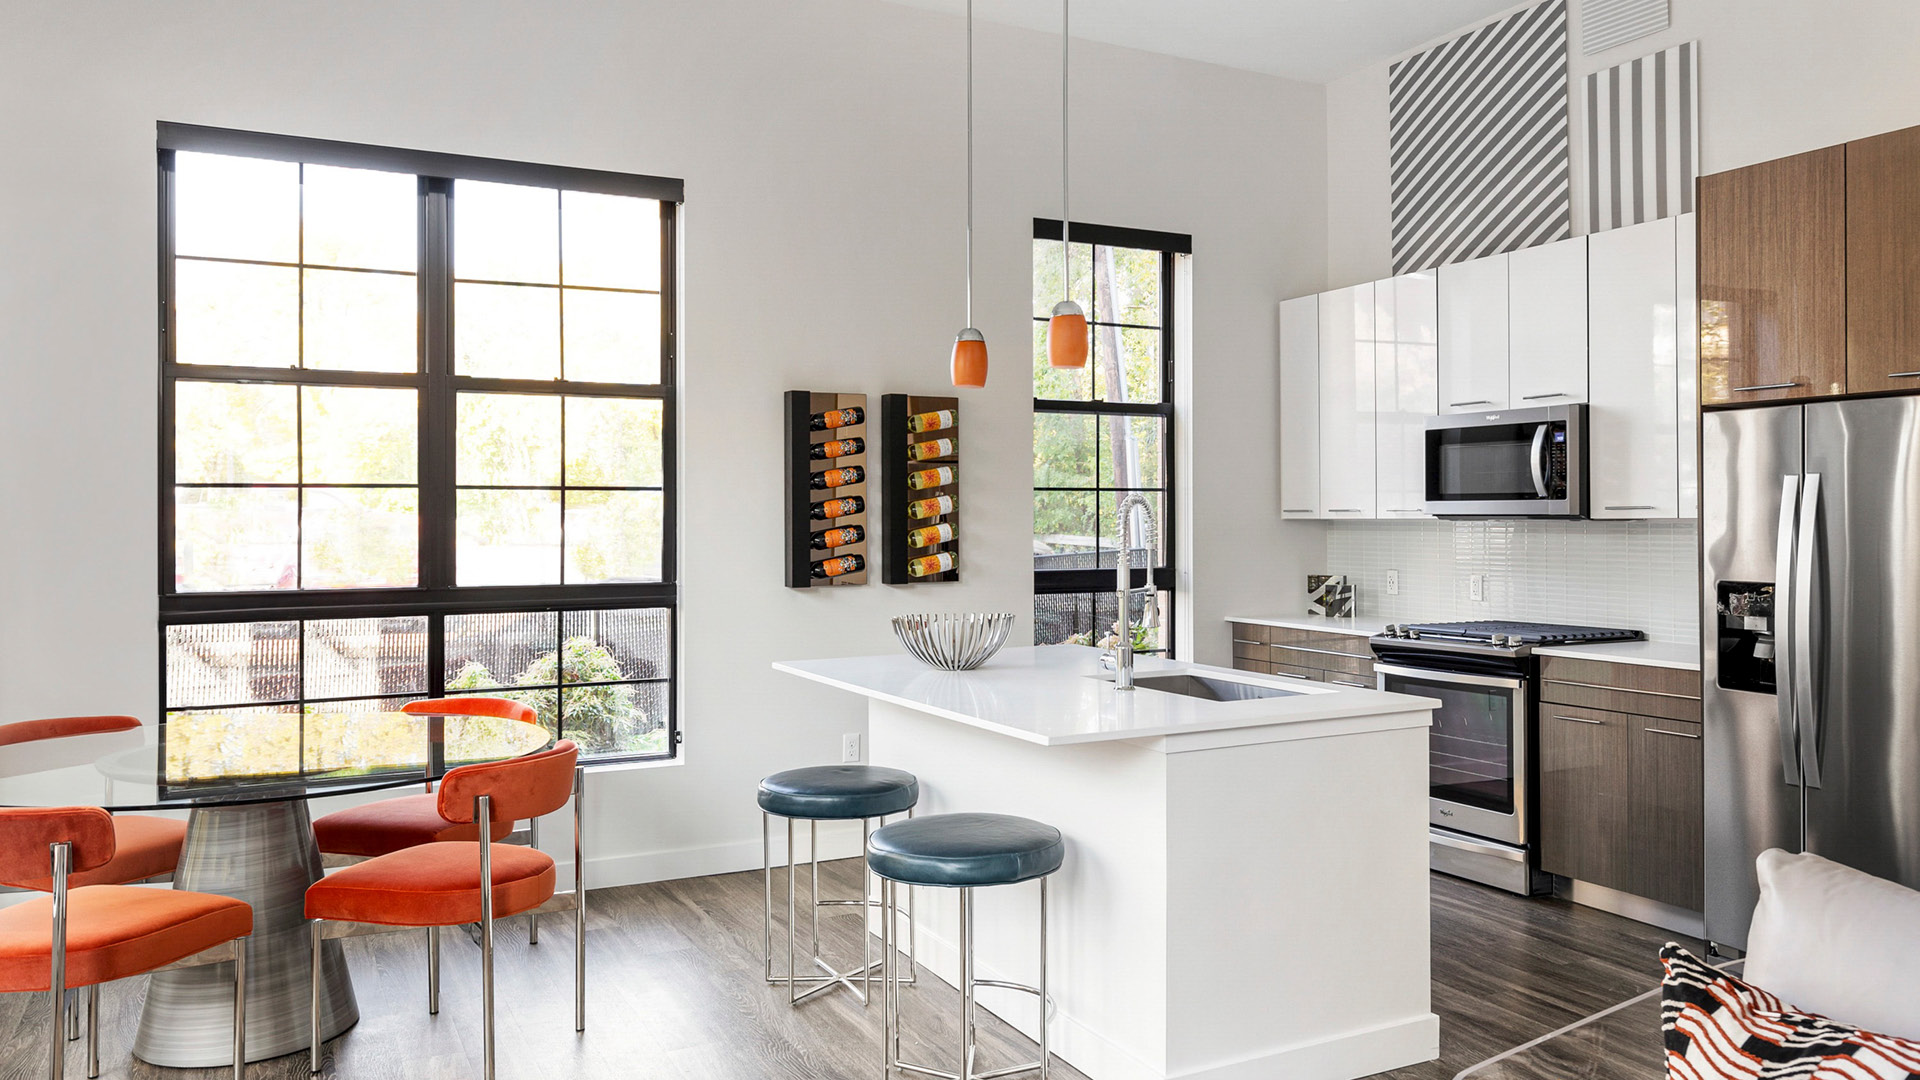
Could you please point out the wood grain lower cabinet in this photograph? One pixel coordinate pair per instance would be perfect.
(1666, 812)
(1585, 782)
(1317, 655)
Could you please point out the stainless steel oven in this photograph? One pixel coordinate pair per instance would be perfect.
(1509, 463)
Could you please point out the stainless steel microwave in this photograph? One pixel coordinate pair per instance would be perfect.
(1510, 463)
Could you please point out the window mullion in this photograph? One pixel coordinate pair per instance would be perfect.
(437, 403)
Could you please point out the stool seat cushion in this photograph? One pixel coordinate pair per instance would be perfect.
(965, 850)
(839, 791)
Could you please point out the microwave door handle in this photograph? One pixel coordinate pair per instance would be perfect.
(1784, 689)
(1540, 460)
(1806, 604)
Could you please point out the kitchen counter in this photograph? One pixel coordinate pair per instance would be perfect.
(1224, 859)
(1666, 654)
(1358, 627)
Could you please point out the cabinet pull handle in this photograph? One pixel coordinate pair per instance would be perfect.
(1286, 511)
(1765, 386)
(1291, 675)
(1631, 508)
(1344, 511)
(1402, 511)
(1542, 397)
(1675, 734)
(1457, 404)
(1905, 375)
(1581, 720)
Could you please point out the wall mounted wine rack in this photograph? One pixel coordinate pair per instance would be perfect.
(919, 447)
(827, 484)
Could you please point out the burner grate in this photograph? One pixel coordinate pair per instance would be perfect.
(1528, 632)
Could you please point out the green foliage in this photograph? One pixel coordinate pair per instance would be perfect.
(599, 718)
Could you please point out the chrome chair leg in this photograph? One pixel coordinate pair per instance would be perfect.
(579, 906)
(533, 918)
(93, 1032)
(485, 817)
(966, 984)
(313, 999)
(57, 985)
(239, 1011)
(73, 1014)
(433, 971)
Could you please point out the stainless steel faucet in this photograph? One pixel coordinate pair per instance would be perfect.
(1123, 625)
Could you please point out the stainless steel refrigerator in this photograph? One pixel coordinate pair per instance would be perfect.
(1810, 533)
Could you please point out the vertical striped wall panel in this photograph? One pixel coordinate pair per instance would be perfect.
(1643, 138)
(1477, 132)
(1606, 23)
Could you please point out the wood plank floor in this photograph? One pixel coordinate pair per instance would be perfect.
(675, 992)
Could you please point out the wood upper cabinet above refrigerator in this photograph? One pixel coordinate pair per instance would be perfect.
(1300, 408)
(1406, 326)
(1474, 355)
(1348, 410)
(1547, 319)
(1773, 279)
(1883, 263)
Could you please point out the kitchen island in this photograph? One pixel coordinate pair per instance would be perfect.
(1245, 892)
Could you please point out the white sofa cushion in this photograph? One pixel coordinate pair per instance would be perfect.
(1837, 942)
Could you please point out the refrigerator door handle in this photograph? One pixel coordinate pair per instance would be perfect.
(1806, 682)
(1783, 605)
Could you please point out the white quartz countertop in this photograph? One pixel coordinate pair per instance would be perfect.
(1356, 627)
(1667, 654)
(1052, 695)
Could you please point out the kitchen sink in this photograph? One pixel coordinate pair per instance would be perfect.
(1208, 689)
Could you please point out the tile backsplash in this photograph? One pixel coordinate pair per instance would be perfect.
(1642, 575)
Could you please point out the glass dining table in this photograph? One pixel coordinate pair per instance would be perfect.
(244, 779)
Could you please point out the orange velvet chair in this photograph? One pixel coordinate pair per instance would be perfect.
(87, 935)
(144, 847)
(450, 883)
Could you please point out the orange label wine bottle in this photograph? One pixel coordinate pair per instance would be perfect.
(932, 448)
(845, 564)
(930, 535)
(930, 478)
(929, 565)
(837, 418)
(833, 478)
(837, 448)
(838, 508)
(922, 509)
(930, 421)
(840, 537)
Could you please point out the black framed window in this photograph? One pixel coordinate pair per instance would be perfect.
(417, 418)
(1104, 432)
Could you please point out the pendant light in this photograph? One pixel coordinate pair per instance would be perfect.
(970, 347)
(1067, 330)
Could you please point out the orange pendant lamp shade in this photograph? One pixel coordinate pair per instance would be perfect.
(970, 358)
(1067, 336)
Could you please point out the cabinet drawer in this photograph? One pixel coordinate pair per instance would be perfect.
(1250, 650)
(1252, 632)
(1320, 658)
(1293, 671)
(1321, 641)
(1669, 693)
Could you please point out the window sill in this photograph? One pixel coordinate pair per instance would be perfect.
(635, 766)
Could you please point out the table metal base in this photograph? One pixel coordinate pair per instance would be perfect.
(264, 854)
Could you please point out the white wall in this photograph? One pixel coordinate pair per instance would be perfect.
(821, 145)
(1777, 77)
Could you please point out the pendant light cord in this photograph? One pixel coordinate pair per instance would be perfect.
(969, 162)
(1066, 218)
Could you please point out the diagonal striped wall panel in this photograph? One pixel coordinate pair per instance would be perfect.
(1606, 23)
(1477, 130)
(1643, 138)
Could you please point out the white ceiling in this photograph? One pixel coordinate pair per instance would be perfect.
(1314, 40)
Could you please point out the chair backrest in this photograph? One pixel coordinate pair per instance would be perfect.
(503, 708)
(28, 835)
(59, 727)
(521, 788)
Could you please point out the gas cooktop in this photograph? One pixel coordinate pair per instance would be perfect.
(1508, 635)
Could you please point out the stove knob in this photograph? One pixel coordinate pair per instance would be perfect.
(1513, 641)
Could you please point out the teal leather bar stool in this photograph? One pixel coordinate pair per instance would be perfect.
(866, 793)
(965, 852)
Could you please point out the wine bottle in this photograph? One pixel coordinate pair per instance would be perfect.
(930, 535)
(837, 418)
(930, 478)
(930, 421)
(838, 508)
(932, 448)
(837, 448)
(929, 565)
(845, 564)
(840, 537)
(922, 509)
(833, 478)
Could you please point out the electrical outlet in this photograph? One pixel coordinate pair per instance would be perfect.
(1393, 583)
(1477, 588)
(850, 748)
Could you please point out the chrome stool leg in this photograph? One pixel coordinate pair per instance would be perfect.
(801, 987)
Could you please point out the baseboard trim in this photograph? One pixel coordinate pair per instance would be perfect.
(643, 867)
(1346, 1056)
(1626, 905)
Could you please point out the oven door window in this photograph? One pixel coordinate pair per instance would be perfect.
(1481, 464)
(1470, 746)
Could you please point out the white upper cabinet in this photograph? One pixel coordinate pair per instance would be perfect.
(1347, 403)
(1407, 323)
(1687, 363)
(1300, 407)
(1474, 335)
(1547, 320)
(1633, 342)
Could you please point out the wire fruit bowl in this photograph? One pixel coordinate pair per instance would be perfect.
(959, 642)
